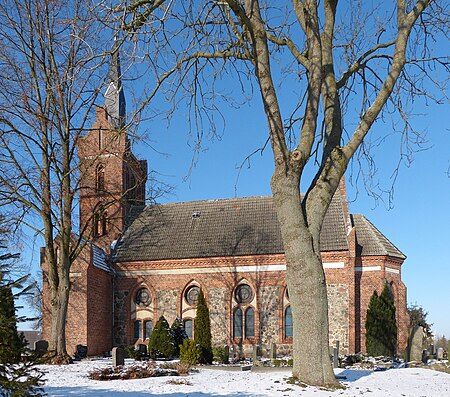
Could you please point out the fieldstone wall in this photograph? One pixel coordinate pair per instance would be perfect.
(338, 301)
(217, 298)
(120, 318)
(167, 304)
(268, 316)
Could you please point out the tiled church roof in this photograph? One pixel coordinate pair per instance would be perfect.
(227, 227)
(370, 241)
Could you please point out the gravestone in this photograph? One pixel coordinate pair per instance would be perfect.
(118, 356)
(273, 351)
(336, 355)
(439, 353)
(226, 356)
(141, 348)
(40, 347)
(81, 352)
(415, 347)
(255, 353)
(425, 356)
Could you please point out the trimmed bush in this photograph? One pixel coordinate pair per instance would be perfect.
(161, 343)
(381, 325)
(221, 355)
(202, 330)
(189, 352)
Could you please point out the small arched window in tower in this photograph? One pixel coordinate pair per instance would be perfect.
(104, 223)
(100, 178)
(97, 225)
(100, 139)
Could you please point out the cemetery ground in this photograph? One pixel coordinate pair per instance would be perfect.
(73, 380)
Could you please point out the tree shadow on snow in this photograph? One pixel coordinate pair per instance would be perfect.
(85, 392)
(352, 375)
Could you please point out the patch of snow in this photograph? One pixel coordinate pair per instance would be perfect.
(72, 380)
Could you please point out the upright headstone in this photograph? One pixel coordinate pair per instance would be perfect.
(415, 347)
(431, 350)
(439, 353)
(81, 352)
(273, 351)
(118, 356)
(226, 356)
(255, 353)
(425, 356)
(336, 355)
(142, 349)
(40, 347)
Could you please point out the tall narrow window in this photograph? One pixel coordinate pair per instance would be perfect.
(100, 178)
(97, 225)
(104, 222)
(249, 322)
(148, 327)
(288, 322)
(100, 139)
(237, 323)
(138, 329)
(188, 328)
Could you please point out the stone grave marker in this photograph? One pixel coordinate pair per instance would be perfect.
(273, 351)
(40, 347)
(226, 357)
(255, 353)
(141, 348)
(336, 355)
(415, 347)
(118, 356)
(439, 353)
(81, 352)
(425, 356)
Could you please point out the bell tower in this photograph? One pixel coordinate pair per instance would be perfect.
(112, 179)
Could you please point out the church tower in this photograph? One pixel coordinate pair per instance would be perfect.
(112, 179)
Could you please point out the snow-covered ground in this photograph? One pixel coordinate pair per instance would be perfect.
(72, 380)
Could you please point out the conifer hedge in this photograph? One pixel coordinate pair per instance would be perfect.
(381, 325)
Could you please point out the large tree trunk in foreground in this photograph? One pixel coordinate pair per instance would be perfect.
(306, 284)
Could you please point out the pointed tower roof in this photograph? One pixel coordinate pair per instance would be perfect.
(114, 97)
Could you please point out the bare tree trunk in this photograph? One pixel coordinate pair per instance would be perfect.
(306, 284)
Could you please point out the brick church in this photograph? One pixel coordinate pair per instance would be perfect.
(144, 261)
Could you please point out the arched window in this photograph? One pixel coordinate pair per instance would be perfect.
(97, 225)
(188, 327)
(138, 329)
(192, 294)
(244, 294)
(100, 178)
(288, 322)
(249, 322)
(237, 323)
(104, 222)
(148, 328)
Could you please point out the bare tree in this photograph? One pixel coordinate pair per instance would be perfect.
(334, 70)
(54, 59)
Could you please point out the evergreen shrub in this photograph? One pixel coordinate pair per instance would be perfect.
(161, 343)
(381, 325)
(178, 334)
(202, 330)
(189, 352)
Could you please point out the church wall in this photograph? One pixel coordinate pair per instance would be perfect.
(371, 274)
(99, 298)
(167, 280)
